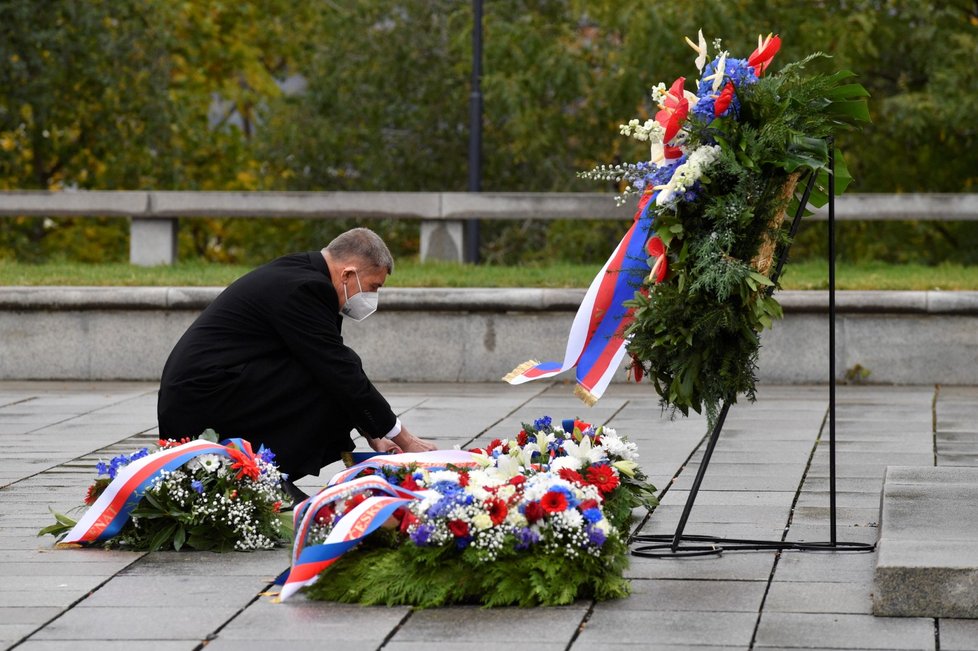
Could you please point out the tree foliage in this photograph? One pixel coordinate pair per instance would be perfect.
(139, 94)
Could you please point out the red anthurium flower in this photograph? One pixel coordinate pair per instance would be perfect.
(517, 480)
(676, 108)
(497, 510)
(533, 512)
(671, 152)
(602, 477)
(459, 528)
(760, 59)
(638, 370)
(581, 425)
(723, 101)
(553, 502)
(570, 475)
(656, 249)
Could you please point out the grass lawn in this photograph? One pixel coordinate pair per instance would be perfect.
(409, 273)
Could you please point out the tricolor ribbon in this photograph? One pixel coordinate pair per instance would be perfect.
(110, 512)
(363, 519)
(596, 345)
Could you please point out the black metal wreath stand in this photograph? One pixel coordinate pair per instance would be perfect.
(680, 544)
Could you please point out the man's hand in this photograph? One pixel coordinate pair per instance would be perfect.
(411, 443)
(384, 446)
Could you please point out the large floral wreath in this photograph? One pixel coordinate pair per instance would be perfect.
(724, 166)
(541, 519)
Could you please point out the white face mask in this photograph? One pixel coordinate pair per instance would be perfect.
(359, 306)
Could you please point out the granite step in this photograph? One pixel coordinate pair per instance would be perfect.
(928, 550)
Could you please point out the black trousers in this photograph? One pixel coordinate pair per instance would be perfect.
(274, 402)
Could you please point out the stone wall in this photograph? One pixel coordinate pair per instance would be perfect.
(474, 335)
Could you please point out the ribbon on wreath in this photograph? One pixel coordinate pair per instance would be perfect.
(110, 512)
(596, 343)
(363, 519)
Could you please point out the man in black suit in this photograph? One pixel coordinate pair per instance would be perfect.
(266, 362)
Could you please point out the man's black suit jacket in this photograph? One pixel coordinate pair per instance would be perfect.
(266, 362)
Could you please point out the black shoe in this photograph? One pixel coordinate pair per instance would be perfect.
(293, 491)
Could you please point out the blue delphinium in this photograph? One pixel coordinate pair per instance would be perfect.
(542, 423)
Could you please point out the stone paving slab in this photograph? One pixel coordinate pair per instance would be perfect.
(759, 485)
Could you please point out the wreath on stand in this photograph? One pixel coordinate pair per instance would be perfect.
(724, 168)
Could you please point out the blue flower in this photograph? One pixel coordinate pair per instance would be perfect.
(421, 534)
(595, 536)
(526, 537)
(265, 454)
(101, 468)
(593, 515)
(197, 485)
(542, 423)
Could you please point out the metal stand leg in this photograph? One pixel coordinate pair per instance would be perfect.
(672, 546)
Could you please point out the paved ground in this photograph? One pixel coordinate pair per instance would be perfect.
(768, 478)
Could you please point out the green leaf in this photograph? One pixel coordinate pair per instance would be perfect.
(761, 279)
(209, 435)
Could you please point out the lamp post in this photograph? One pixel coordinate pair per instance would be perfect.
(475, 131)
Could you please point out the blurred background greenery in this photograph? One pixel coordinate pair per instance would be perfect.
(373, 95)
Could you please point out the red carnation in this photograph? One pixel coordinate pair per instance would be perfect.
(570, 475)
(493, 444)
(463, 478)
(533, 512)
(353, 501)
(603, 477)
(522, 438)
(497, 510)
(408, 519)
(554, 502)
(409, 483)
(459, 528)
(588, 504)
(325, 514)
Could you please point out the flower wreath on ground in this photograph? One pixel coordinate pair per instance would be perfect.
(198, 494)
(725, 164)
(541, 519)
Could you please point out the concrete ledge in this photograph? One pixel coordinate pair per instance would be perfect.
(486, 299)
(928, 560)
(478, 335)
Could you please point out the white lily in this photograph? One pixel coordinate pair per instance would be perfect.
(626, 467)
(700, 49)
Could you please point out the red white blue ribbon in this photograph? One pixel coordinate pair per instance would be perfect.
(596, 345)
(110, 512)
(363, 519)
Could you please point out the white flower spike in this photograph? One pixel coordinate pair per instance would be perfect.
(717, 76)
(700, 49)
